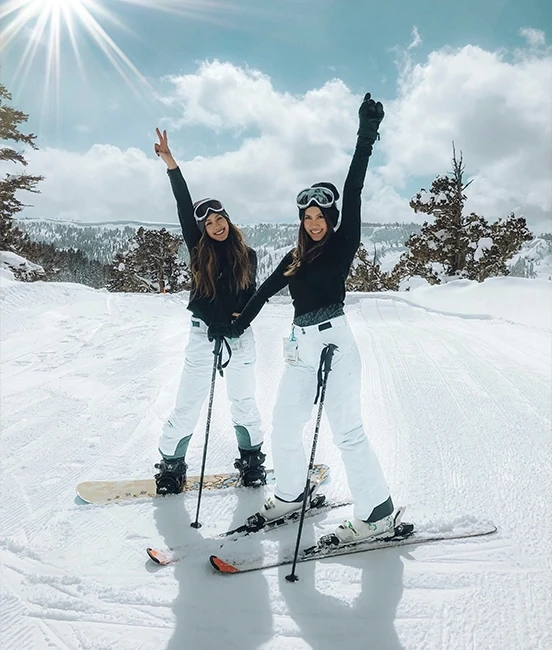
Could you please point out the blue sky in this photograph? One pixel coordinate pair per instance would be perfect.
(297, 47)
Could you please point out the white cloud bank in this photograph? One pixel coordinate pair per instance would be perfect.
(496, 106)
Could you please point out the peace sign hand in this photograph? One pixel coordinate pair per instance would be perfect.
(161, 148)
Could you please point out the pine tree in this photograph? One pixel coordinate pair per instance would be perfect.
(366, 275)
(457, 245)
(10, 236)
(150, 265)
(63, 265)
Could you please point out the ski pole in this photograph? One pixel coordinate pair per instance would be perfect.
(323, 371)
(217, 352)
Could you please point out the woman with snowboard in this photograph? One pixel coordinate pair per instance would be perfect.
(315, 271)
(223, 280)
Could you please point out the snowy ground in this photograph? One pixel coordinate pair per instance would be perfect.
(457, 402)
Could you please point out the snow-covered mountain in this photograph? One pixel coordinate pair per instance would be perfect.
(384, 241)
(534, 260)
(101, 241)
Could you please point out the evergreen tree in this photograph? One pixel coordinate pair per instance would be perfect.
(10, 236)
(150, 265)
(64, 265)
(366, 275)
(43, 254)
(458, 245)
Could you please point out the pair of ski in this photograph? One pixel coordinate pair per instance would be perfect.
(254, 524)
(328, 546)
(404, 534)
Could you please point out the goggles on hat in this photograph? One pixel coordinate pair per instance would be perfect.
(322, 196)
(202, 209)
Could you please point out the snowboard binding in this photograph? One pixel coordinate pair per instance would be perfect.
(251, 467)
(171, 477)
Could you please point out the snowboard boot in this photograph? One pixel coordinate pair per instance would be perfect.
(251, 468)
(172, 475)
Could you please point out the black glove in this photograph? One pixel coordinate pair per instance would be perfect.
(370, 115)
(228, 331)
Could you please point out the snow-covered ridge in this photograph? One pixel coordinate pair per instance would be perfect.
(114, 223)
(515, 300)
(102, 240)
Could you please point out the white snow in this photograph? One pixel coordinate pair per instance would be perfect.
(457, 402)
(11, 262)
(533, 260)
(482, 245)
(517, 300)
(424, 197)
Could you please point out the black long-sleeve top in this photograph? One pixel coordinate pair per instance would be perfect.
(227, 300)
(321, 282)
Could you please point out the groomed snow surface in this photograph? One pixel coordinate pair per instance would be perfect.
(457, 403)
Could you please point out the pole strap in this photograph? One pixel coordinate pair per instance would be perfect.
(218, 352)
(324, 367)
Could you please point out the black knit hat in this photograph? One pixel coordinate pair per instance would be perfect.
(331, 214)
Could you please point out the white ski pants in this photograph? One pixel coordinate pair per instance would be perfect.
(294, 406)
(195, 384)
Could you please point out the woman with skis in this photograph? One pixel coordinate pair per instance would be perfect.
(223, 280)
(315, 271)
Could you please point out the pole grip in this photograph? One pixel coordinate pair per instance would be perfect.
(218, 345)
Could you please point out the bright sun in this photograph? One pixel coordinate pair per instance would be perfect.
(44, 25)
(46, 22)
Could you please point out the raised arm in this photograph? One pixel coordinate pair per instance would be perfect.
(370, 115)
(184, 204)
(275, 281)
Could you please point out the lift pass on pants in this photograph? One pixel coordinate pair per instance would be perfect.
(290, 348)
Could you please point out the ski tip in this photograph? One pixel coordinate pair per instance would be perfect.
(156, 556)
(222, 566)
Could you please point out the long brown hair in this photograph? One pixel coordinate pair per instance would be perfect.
(205, 268)
(307, 249)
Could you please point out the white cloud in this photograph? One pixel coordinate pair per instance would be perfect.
(225, 97)
(416, 39)
(295, 141)
(534, 37)
(497, 110)
(104, 184)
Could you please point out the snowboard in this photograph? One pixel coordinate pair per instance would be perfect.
(404, 535)
(128, 490)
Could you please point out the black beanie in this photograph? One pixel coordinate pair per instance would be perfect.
(331, 214)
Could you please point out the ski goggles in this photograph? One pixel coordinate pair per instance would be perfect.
(322, 196)
(202, 208)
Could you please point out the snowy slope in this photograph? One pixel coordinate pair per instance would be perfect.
(457, 402)
(534, 260)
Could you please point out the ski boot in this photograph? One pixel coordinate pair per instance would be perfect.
(380, 525)
(172, 475)
(275, 508)
(251, 468)
(356, 530)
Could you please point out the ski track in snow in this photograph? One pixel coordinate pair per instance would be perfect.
(457, 408)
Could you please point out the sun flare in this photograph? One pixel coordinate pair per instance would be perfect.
(44, 24)
(56, 33)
